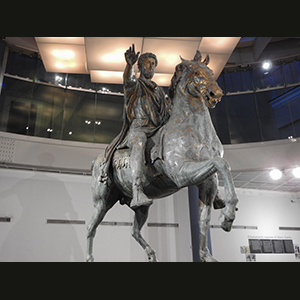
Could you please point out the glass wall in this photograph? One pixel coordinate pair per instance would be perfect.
(250, 112)
(257, 105)
(56, 105)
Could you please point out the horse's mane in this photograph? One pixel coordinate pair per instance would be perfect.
(175, 80)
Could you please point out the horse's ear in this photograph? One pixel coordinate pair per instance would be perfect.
(184, 61)
(206, 60)
(198, 56)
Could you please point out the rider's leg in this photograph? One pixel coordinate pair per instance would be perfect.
(137, 144)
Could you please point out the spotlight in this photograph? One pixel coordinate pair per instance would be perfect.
(296, 172)
(266, 65)
(276, 174)
(292, 139)
(58, 78)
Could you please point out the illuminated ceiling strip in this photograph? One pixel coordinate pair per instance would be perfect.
(97, 55)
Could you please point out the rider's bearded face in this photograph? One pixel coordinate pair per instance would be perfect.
(148, 68)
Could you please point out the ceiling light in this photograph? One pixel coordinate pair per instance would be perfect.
(63, 58)
(64, 54)
(276, 174)
(61, 40)
(106, 77)
(266, 65)
(103, 57)
(60, 65)
(115, 56)
(296, 172)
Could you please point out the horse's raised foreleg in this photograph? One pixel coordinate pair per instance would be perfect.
(194, 173)
(141, 215)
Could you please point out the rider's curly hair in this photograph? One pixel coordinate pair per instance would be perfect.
(144, 56)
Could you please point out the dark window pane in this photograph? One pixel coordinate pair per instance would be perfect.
(267, 116)
(109, 112)
(220, 121)
(291, 72)
(15, 102)
(49, 103)
(21, 65)
(79, 116)
(220, 82)
(243, 119)
(270, 78)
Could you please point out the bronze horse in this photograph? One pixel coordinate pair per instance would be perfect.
(186, 151)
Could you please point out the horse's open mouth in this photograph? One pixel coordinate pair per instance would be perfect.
(211, 101)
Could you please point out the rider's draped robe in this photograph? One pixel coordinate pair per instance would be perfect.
(146, 109)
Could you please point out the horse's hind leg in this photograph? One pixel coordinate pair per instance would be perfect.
(104, 199)
(207, 193)
(141, 215)
(98, 215)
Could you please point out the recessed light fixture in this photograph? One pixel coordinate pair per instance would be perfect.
(296, 172)
(266, 65)
(276, 174)
(63, 54)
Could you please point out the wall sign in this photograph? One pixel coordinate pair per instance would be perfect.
(271, 246)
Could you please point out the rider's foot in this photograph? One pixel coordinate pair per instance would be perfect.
(139, 198)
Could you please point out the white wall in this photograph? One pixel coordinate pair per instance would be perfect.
(265, 209)
(51, 153)
(30, 198)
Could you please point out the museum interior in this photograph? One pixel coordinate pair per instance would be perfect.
(62, 104)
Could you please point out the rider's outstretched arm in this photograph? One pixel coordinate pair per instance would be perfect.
(131, 58)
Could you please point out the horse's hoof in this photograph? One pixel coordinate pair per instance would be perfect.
(207, 257)
(152, 259)
(226, 223)
(90, 259)
(151, 255)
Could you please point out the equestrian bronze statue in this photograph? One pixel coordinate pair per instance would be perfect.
(166, 144)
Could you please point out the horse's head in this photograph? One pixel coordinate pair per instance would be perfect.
(199, 82)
